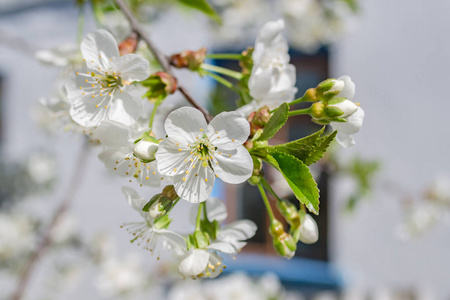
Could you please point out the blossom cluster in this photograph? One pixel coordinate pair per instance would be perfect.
(106, 96)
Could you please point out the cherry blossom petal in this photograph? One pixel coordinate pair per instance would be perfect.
(98, 48)
(347, 129)
(193, 263)
(349, 88)
(228, 130)
(126, 107)
(113, 134)
(134, 200)
(185, 123)
(195, 186)
(170, 159)
(233, 166)
(223, 247)
(131, 67)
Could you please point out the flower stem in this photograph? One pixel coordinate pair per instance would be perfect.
(305, 111)
(299, 100)
(220, 79)
(152, 116)
(162, 59)
(223, 71)
(266, 202)
(80, 29)
(199, 216)
(269, 188)
(234, 56)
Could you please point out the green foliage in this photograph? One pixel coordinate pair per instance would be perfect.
(352, 4)
(277, 120)
(321, 146)
(203, 6)
(298, 177)
(308, 149)
(300, 148)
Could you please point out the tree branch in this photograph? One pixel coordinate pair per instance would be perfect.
(162, 59)
(47, 237)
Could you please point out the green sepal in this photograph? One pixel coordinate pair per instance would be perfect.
(147, 137)
(341, 120)
(201, 240)
(149, 203)
(190, 242)
(276, 122)
(204, 7)
(210, 228)
(298, 177)
(300, 148)
(336, 100)
(162, 222)
(333, 111)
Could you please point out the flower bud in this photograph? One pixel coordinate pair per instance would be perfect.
(257, 171)
(330, 86)
(262, 116)
(285, 245)
(246, 62)
(289, 212)
(160, 85)
(169, 192)
(145, 150)
(317, 110)
(159, 207)
(310, 95)
(309, 232)
(129, 45)
(276, 229)
(189, 59)
(346, 106)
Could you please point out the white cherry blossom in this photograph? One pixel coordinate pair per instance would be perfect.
(195, 152)
(103, 90)
(273, 78)
(123, 157)
(207, 262)
(154, 239)
(346, 130)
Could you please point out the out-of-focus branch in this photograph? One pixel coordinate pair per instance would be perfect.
(162, 59)
(47, 237)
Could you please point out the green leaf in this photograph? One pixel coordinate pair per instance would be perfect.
(319, 150)
(299, 179)
(275, 123)
(300, 148)
(203, 6)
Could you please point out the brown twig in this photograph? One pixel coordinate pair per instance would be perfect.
(47, 237)
(162, 59)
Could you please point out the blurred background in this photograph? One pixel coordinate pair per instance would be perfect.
(384, 221)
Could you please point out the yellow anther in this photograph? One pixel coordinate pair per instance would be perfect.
(175, 170)
(146, 177)
(184, 179)
(121, 91)
(82, 93)
(85, 80)
(77, 73)
(357, 103)
(101, 94)
(107, 107)
(217, 175)
(232, 140)
(187, 172)
(96, 106)
(201, 129)
(179, 150)
(154, 173)
(206, 179)
(217, 132)
(126, 173)
(93, 96)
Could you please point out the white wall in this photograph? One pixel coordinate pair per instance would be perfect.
(399, 58)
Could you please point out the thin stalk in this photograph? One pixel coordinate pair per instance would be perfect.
(305, 111)
(199, 216)
(233, 56)
(221, 80)
(266, 202)
(162, 59)
(152, 116)
(299, 100)
(80, 29)
(223, 71)
(269, 188)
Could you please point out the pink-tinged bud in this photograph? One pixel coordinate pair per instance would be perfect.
(129, 45)
(160, 85)
(189, 59)
(262, 116)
